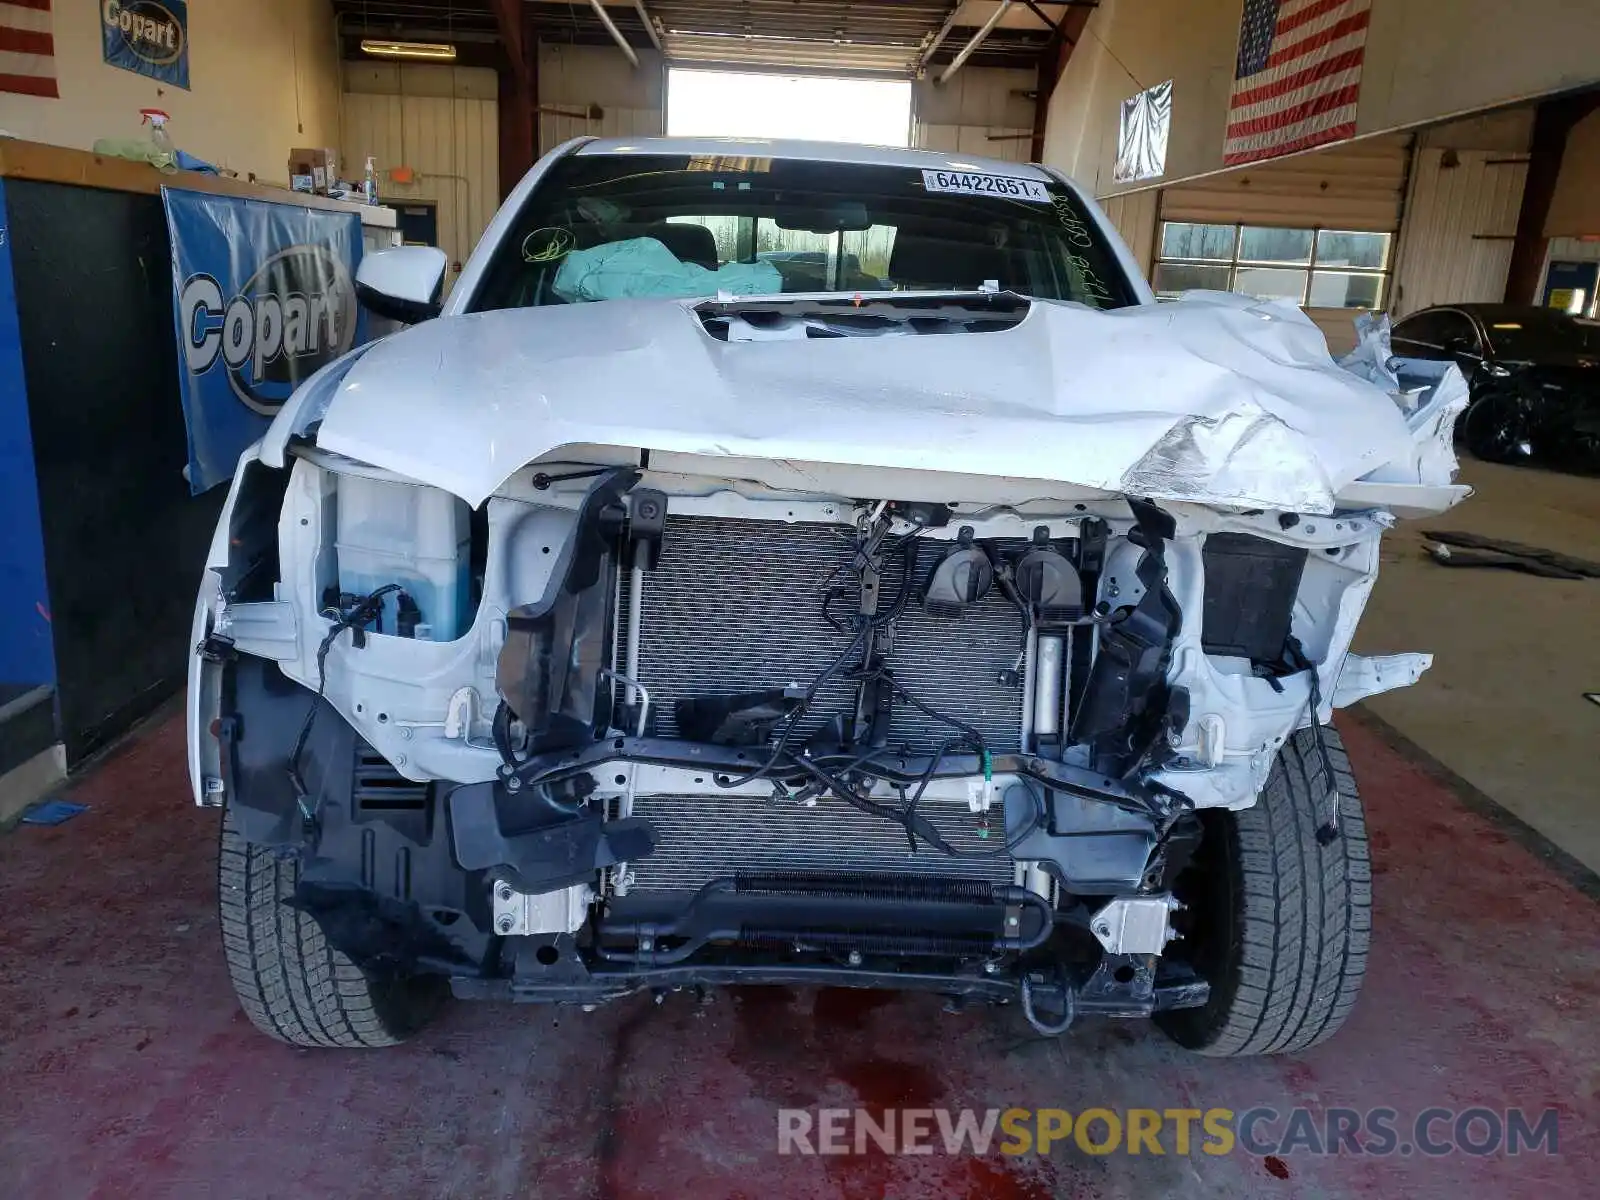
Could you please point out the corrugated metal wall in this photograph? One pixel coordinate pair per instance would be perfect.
(442, 123)
(1134, 215)
(980, 111)
(574, 77)
(1460, 221)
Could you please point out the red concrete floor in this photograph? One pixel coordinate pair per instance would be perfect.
(126, 1070)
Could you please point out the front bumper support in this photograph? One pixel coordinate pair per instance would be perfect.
(1096, 993)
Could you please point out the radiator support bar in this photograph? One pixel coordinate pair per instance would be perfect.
(901, 769)
(1173, 985)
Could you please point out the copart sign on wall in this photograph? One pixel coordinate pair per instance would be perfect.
(263, 296)
(147, 36)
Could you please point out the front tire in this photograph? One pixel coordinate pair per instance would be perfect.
(291, 983)
(1278, 924)
(1493, 428)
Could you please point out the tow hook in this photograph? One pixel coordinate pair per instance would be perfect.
(1068, 1003)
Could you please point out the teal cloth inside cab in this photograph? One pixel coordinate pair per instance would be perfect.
(643, 267)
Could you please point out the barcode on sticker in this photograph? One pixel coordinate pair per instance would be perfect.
(971, 183)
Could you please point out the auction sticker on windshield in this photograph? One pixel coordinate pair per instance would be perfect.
(972, 184)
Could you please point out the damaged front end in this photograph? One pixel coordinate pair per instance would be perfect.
(639, 724)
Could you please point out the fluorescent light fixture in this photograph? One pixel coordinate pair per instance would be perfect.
(436, 50)
(1508, 325)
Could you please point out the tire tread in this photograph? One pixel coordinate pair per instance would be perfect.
(1304, 910)
(291, 983)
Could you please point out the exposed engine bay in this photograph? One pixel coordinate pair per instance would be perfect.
(629, 726)
(971, 625)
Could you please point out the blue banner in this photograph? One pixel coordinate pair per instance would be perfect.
(27, 654)
(263, 295)
(147, 36)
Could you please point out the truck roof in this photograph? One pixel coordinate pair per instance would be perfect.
(839, 152)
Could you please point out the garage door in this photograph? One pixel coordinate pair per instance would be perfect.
(1322, 225)
(1357, 185)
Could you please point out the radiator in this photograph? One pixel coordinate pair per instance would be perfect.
(736, 606)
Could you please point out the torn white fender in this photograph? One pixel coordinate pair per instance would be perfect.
(1365, 676)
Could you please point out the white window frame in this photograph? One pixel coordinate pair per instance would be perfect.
(1233, 262)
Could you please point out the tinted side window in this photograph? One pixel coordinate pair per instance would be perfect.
(1434, 335)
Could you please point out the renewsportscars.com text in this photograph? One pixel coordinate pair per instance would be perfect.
(1261, 1130)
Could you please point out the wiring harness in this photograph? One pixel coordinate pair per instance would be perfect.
(873, 546)
(356, 617)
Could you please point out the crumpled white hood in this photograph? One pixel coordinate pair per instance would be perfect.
(1215, 399)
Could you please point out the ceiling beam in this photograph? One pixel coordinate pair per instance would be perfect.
(977, 40)
(1049, 21)
(1553, 120)
(1051, 66)
(508, 21)
(616, 34)
(649, 26)
(518, 126)
(932, 47)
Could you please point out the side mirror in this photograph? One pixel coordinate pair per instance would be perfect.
(403, 284)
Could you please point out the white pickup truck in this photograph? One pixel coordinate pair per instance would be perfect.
(805, 564)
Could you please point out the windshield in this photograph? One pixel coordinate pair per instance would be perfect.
(1537, 334)
(605, 227)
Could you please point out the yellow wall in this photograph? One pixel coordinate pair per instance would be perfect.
(1191, 42)
(1425, 60)
(263, 79)
(1575, 208)
(442, 123)
(982, 110)
(571, 78)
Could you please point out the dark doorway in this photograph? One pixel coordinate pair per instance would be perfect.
(419, 221)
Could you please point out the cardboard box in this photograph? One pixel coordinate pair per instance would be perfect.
(311, 170)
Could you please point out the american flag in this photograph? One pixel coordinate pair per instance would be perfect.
(1298, 76)
(27, 51)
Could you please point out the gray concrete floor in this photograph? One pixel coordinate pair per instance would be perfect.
(1503, 706)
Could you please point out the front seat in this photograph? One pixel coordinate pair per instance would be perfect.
(689, 243)
(920, 261)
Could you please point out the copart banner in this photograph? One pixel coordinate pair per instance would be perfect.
(263, 296)
(149, 37)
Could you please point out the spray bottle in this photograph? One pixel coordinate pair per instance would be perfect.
(157, 120)
(369, 186)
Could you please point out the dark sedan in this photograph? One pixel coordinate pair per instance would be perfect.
(1534, 374)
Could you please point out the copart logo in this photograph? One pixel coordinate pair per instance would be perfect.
(147, 28)
(295, 314)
